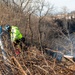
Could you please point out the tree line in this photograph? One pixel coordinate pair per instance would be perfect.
(34, 18)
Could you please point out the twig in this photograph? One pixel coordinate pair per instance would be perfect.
(54, 50)
(70, 60)
(41, 68)
(45, 59)
(27, 69)
(21, 69)
(50, 68)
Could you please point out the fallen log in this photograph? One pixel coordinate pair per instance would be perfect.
(69, 57)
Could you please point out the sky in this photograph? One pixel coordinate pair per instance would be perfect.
(59, 4)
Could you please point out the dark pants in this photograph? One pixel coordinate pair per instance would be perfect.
(19, 42)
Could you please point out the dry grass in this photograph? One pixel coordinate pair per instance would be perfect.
(30, 61)
(33, 62)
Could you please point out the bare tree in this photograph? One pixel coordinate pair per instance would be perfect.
(6, 2)
(42, 11)
(65, 11)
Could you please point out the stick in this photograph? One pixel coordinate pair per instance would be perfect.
(54, 50)
(70, 60)
(41, 68)
(21, 69)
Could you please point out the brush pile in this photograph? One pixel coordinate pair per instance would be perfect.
(34, 62)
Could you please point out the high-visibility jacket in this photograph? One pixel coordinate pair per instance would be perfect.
(15, 33)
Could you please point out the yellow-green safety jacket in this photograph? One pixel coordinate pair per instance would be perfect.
(15, 33)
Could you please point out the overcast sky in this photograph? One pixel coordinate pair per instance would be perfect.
(58, 4)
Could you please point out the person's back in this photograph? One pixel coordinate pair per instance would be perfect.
(15, 33)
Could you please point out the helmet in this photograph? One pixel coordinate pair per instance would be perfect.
(7, 27)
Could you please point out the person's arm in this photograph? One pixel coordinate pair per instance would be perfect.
(13, 37)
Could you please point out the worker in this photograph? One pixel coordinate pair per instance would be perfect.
(15, 36)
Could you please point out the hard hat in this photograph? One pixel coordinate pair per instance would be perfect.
(7, 27)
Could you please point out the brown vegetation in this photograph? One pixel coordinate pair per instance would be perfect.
(33, 62)
(39, 31)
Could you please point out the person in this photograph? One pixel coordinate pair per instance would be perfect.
(15, 36)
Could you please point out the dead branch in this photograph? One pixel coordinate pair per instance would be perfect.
(54, 50)
(21, 69)
(41, 68)
(50, 68)
(70, 60)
